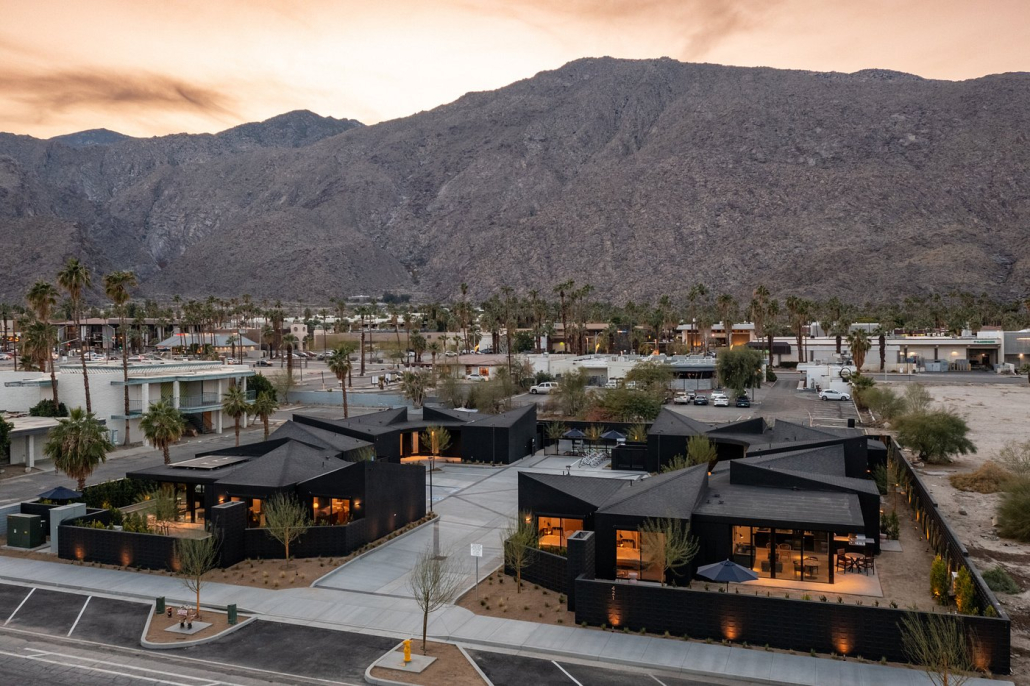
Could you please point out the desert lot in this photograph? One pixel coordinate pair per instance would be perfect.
(997, 414)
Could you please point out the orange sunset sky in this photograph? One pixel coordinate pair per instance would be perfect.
(151, 68)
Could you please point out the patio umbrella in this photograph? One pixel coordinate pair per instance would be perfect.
(613, 435)
(60, 493)
(726, 571)
(574, 435)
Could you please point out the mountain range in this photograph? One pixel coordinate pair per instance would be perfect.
(638, 177)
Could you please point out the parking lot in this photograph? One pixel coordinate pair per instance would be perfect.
(514, 670)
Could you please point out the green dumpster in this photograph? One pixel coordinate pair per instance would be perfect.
(231, 611)
(160, 609)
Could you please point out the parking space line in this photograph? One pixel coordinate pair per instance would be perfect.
(19, 606)
(207, 681)
(36, 658)
(657, 679)
(76, 622)
(571, 678)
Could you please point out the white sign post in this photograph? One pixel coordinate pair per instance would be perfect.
(477, 552)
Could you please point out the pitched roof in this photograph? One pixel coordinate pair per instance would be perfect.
(676, 424)
(318, 437)
(674, 494)
(828, 459)
(503, 419)
(592, 490)
(284, 466)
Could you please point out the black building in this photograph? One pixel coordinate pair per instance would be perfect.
(796, 514)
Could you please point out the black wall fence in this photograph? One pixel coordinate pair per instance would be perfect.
(120, 548)
(939, 533)
(621, 427)
(317, 541)
(852, 630)
(545, 569)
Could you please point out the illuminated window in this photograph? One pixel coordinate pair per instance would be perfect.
(330, 511)
(555, 531)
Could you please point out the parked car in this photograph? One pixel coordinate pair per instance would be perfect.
(613, 383)
(262, 363)
(5, 356)
(700, 399)
(475, 377)
(743, 401)
(830, 394)
(681, 399)
(720, 400)
(545, 387)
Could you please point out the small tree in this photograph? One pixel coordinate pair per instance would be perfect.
(5, 439)
(940, 580)
(286, 520)
(340, 365)
(433, 582)
(701, 450)
(594, 433)
(637, 434)
(235, 405)
(917, 398)
(519, 540)
(263, 407)
(414, 385)
(739, 368)
(437, 439)
(571, 394)
(667, 544)
(935, 436)
(197, 557)
(365, 454)
(554, 431)
(283, 384)
(163, 425)
(165, 509)
(938, 644)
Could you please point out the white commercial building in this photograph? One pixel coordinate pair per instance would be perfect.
(196, 388)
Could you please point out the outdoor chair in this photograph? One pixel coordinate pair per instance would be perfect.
(842, 560)
(868, 563)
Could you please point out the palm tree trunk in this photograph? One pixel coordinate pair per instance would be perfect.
(237, 426)
(125, 375)
(343, 388)
(362, 356)
(770, 351)
(264, 420)
(53, 378)
(167, 456)
(82, 358)
(82, 483)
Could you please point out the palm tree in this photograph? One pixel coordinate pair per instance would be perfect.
(434, 348)
(236, 406)
(339, 364)
(42, 298)
(116, 287)
(727, 306)
(75, 278)
(163, 425)
(858, 344)
(561, 290)
(263, 407)
(290, 342)
(77, 445)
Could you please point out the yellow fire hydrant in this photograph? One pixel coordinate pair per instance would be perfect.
(407, 650)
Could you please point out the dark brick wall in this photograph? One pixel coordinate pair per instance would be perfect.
(631, 456)
(580, 562)
(546, 569)
(121, 548)
(317, 541)
(228, 524)
(39, 509)
(871, 632)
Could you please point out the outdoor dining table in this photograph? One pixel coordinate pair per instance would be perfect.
(811, 566)
(854, 562)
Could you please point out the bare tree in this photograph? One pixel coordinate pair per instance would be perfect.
(433, 582)
(287, 520)
(519, 540)
(938, 644)
(667, 544)
(197, 557)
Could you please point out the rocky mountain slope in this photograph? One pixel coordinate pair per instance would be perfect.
(639, 177)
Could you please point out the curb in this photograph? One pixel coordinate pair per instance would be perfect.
(369, 679)
(475, 666)
(151, 645)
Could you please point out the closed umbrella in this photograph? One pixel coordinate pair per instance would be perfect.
(614, 436)
(726, 571)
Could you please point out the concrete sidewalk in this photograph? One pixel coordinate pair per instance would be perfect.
(399, 617)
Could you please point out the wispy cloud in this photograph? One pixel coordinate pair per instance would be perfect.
(59, 91)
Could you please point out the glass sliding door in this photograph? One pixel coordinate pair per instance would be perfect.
(764, 552)
(743, 547)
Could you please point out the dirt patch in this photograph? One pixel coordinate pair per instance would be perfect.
(996, 415)
(450, 667)
(498, 598)
(156, 632)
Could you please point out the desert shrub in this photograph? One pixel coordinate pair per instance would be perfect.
(884, 402)
(770, 375)
(46, 408)
(917, 398)
(117, 493)
(990, 478)
(935, 436)
(1015, 457)
(881, 478)
(890, 525)
(965, 594)
(940, 579)
(116, 516)
(1014, 510)
(1000, 581)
